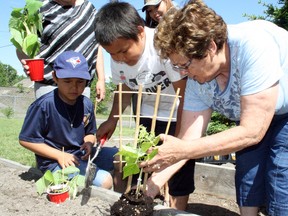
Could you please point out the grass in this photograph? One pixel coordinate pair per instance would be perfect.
(9, 144)
(11, 149)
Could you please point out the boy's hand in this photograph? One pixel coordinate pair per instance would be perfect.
(66, 159)
(107, 129)
(87, 147)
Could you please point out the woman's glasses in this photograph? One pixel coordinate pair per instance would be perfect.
(182, 67)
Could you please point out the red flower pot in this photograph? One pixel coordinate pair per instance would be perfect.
(58, 197)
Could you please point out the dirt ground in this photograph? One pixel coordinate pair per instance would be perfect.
(18, 197)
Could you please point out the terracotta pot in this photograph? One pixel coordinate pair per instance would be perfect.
(58, 197)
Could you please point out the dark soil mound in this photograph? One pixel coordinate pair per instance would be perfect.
(129, 204)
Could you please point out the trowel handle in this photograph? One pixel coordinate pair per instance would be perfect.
(99, 146)
(103, 140)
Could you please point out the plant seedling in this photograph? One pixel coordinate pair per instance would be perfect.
(133, 156)
(68, 177)
(25, 25)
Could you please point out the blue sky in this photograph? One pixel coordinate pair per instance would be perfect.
(231, 10)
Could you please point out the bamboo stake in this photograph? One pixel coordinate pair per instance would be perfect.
(139, 99)
(166, 187)
(156, 109)
(63, 163)
(87, 119)
(120, 125)
(147, 93)
(153, 126)
(172, 111)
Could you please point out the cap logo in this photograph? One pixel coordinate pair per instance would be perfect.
(74, 61)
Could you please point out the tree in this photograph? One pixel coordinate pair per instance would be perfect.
(279, 16)
(8, 75)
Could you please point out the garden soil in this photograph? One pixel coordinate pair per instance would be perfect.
(18, 197)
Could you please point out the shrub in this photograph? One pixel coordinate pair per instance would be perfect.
(219, 123)
(8, 112)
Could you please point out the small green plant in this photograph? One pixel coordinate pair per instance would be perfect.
(61, 177)
(219, 123)
(8, 112)
(21, 88)
(133, 156)
(24, 25)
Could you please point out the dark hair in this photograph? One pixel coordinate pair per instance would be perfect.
(117, 20)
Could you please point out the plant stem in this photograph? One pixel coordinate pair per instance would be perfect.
(139, 180)
(27, 28)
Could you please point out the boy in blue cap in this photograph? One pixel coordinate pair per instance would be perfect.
(64, 118)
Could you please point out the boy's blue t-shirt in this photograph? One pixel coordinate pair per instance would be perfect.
(51, 121)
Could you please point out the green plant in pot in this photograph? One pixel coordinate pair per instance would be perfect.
(61, 181)
(25, 26)
(135, 201)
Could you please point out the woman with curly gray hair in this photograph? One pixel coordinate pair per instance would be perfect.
(240, 71)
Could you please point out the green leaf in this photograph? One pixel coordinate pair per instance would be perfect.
(128, 151)
(145, 146)
(156, 141)
(42, 183)
(16, 13)
(130, 160)
(16, 44)
(58, 177)
(71, 170)
(33, 6)
(49, 176)
(30, 45)
(130, 169)
(81, 180)
(152, 154)
(24, 22)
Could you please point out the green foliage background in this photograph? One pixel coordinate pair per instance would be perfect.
(279, 16)
(8, 75)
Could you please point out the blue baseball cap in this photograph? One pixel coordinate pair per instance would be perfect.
(70, 64)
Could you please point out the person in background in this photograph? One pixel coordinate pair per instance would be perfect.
(68, 25)
(240, 71)
(64, 119)
(155, 10)
(134, 61)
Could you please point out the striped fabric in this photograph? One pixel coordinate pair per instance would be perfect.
(67, 28)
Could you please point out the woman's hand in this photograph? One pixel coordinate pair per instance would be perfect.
(169, 153)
